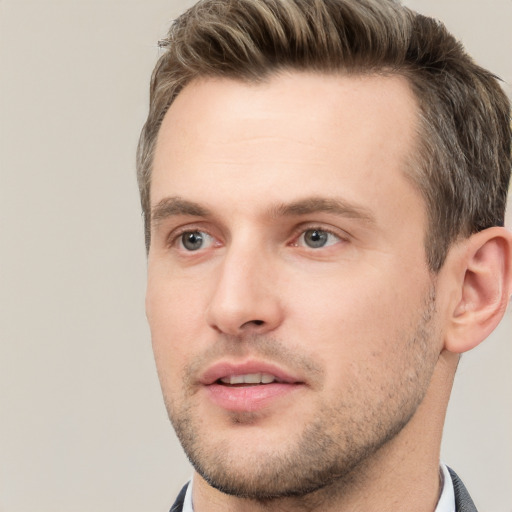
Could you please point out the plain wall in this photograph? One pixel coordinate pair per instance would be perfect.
(82, 423)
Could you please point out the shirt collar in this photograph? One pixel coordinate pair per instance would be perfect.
(187, 502)
(446, 501)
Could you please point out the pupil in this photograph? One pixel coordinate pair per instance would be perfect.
(192, 241)
(315, 238)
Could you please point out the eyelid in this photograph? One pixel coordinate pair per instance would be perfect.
(338, 233)
(174, 237)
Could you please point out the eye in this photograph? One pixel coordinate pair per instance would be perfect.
(195, 240)
(317, 238)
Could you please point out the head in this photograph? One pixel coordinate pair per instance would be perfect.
(308, 170)
(463, 160)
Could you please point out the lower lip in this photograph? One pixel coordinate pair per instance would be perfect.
(249, 398)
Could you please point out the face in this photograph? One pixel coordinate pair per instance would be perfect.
(290, 304)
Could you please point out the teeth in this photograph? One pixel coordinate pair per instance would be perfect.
(249, 378)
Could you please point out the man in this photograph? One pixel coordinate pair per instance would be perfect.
(323, 185)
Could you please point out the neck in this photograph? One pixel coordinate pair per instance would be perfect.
(402, 475)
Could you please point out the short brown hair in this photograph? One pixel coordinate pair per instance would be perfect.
(463, 161)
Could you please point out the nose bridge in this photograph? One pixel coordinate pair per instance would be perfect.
(243, 298)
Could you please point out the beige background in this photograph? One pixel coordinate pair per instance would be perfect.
(82, 424)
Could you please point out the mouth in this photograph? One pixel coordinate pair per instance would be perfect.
(248, 379)
(248, 387)
(247, 373)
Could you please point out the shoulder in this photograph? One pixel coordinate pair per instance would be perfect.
(463, 501)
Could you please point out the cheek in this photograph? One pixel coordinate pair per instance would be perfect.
(175, 315)
(356, 323)
(349, 303)
(174, 301)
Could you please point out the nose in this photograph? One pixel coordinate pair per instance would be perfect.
(245, 299)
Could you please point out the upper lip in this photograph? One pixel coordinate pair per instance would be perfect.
(225, 369)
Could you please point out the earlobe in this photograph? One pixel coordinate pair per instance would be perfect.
(485, 289)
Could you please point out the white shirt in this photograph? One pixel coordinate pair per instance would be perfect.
(446, 501)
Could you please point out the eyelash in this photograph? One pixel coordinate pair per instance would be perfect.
(302, 230)
(175, 237)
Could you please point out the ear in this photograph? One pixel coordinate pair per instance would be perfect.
(485, 285)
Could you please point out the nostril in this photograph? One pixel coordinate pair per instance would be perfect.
(253, 322)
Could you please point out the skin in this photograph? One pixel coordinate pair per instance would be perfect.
(360, 321)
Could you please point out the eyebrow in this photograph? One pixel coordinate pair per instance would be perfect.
(336, 206)
(172, 206)
(175, 206)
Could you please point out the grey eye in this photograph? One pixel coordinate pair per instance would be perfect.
(192, 240)
(315, 238)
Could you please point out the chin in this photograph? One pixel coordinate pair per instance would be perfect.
(267, 464)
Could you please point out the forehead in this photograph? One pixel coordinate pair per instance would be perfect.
(295, 134)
